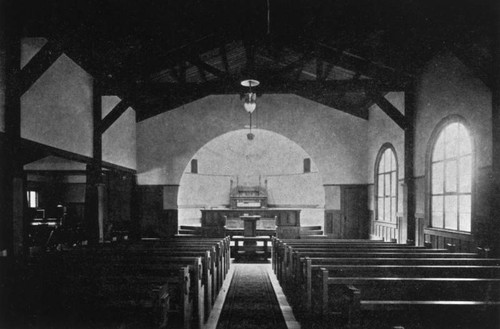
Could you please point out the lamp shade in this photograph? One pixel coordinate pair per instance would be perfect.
(250, 103)
(250, 106)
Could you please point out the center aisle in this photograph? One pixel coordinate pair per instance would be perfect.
(251, 301)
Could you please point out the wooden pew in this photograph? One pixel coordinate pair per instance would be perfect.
(399, 270)
(128, 286)
(222, 248)
(280, 246)
(212, 271)
(287, 266)
(432, 295)
(143, 255)
(221, 256)
(96, 284)
(303, 275)
(262, 251)
(156, 250)
(183, 246)
(421, 268)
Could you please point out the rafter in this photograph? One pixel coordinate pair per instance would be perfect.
(114, 115)
(327, 92)
(278, 86)
(223, 54)
(40, 63)
(195, 60)
(352, 62)
(389, 109)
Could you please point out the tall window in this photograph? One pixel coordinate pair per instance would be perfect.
(386, 186)
(32, 197)
(451, 179)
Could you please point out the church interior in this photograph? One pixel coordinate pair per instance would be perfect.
(249, 164)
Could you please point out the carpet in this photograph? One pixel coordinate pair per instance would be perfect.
(251, 302)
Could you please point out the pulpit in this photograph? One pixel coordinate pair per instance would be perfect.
(250, 224)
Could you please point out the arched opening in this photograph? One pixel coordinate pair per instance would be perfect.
(451, 176)
(269, 160)
(386, 184)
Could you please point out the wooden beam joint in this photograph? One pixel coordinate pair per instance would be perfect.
(112, 116)
(389, 109)
(40, 63)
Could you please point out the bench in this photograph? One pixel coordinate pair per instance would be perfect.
(93, 285)
(211, 274)
(222, 248)
(140, 267)
(254, 250)
(280, 246)
(214, 272)
(288, 266)
(303, 275)
(399, 270)
(396, 297)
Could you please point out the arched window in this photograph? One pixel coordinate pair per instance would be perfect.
(386, 181)
(451, 179)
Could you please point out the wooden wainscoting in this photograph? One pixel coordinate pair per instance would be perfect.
(385, 230)
(461, 242)
(333, 227)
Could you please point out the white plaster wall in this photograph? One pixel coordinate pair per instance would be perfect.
(267, 159)
(29, 48)
(56, 110)
(448, 87)
(382, 129)
(55, 163)
(335, 140)
(119, 141)
(332, 200)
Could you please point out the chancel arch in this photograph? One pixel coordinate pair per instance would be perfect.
(269, 160)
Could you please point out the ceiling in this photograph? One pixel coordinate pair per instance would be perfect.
(159, 55)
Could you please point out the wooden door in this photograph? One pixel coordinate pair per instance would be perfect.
(354, 208)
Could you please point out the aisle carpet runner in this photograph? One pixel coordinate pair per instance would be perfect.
(251, 301)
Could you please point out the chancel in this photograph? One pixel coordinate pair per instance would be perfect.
(250, 164)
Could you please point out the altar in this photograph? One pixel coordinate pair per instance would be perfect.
(249, 215)
(222, 222)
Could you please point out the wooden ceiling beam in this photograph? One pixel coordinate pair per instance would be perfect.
(328, 93)
(352, 62)
(195, 60)
(223, 54)
(389, 109)
(279, 86)
(112, 116)
(39, 64)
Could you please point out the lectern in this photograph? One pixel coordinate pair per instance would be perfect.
(250, 224)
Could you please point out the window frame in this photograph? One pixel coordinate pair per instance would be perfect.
(384, 148)
(436, 134)
(29, 199)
